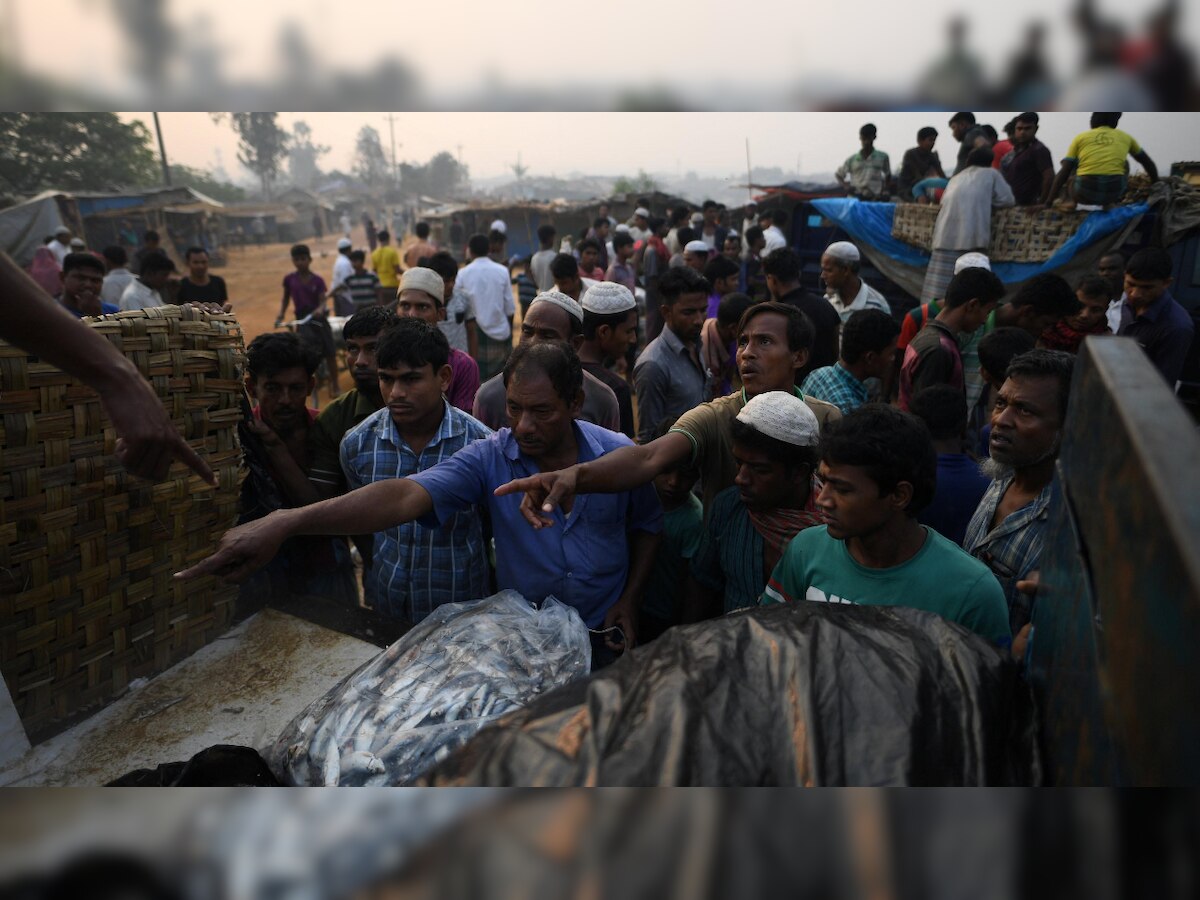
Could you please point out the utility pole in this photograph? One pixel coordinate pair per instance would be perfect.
(459, 148)
(749, 176)
(391, 120)
(162, 152)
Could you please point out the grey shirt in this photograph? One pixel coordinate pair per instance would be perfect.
(668, 380)
(540, 264)
(459, 310)
(599, 403)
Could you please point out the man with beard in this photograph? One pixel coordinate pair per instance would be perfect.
(668, 376)
(1008, 529)
(878, 469)
(772, 499)
(1028, 167)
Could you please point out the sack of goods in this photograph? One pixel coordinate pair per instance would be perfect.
(461, 668)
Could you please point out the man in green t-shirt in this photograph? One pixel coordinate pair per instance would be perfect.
(878, 470)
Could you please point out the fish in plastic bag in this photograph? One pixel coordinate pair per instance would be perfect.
(459, 669)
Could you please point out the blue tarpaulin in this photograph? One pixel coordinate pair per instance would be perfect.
(871, 224)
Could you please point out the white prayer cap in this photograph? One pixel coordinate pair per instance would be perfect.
(697, 218)
(696, 247)
(607, 298)
(972, 261)
(752, 203)
(425, 280)
(78, 244)
(61, 229)
(561, 300)
(642, 211)
(843, 251)
(731, 233)
(623, 228)
(498, 225)
(782, 416)
(344, 244)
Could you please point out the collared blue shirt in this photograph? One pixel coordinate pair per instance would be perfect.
(583, 560)
(1013, 548)
(1164, 331)
(417, 568)
(837, 385)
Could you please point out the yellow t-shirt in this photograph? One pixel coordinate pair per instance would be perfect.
(387, 264)
(1102, 151)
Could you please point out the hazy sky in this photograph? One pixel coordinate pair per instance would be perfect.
(710, 144)
(534, 43)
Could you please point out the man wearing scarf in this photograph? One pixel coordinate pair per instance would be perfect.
(772, 498)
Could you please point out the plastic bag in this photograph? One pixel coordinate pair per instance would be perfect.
(795, 694)
(462, 667)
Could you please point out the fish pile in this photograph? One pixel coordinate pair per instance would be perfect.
(460, 669)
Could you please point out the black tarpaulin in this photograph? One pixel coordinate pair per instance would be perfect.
(805, 694)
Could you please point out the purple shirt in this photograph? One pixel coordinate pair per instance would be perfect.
(714, 301)
(306, 295)
(464, 381)
(622, 274)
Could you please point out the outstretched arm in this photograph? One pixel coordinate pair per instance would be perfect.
(375, 507)
(620, 470)
(1147, 163)
(147, 440)
(1068, 166)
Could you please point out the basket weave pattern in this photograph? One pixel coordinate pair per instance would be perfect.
(1018, 235)
(87, 602)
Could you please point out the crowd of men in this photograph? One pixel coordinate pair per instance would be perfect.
(675, 428)
(678, 428)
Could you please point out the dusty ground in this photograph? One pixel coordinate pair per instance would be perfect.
(255, 274)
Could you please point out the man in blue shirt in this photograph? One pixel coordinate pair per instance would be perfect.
(415, 569)
(1152, 317)
(82, 281)
(960, 484)
(594, 555)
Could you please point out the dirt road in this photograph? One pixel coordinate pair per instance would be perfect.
(254, 276)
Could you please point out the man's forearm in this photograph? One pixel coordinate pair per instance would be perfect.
(629, 467)
(374, 507)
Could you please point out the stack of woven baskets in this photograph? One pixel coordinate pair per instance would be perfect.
(1018, 235)
(87, 601)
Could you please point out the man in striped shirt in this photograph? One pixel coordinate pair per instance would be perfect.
(415, 568)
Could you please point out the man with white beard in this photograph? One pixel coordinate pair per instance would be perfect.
(1008, 529)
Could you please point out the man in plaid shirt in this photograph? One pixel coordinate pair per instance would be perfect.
(414, 568)
(1008, 528)
(868, 350)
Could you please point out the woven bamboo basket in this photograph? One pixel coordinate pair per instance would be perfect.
(87, 601)
(913, 224)
(1018, 235)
